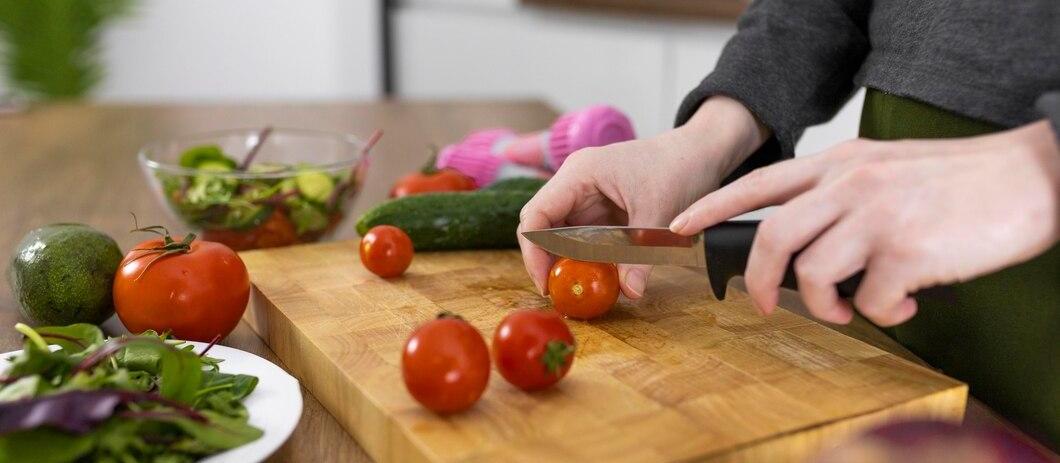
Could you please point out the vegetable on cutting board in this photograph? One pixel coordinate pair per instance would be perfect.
(583, 290)
(63, 273)
(386, 251)
(132, 398)
(533, 349)
(518, 184)
(195, 289)
(446, 364)
(482, 219)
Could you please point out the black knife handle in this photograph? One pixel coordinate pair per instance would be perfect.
(729, 243)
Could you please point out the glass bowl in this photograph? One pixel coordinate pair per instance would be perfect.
(257, 188)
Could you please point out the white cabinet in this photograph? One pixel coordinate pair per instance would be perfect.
(244, 50)
(500, 49)
(501, 53)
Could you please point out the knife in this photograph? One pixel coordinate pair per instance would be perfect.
(721, 251)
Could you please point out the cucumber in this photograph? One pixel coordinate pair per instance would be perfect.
(518, 184)
(314, 185)
(484, 219)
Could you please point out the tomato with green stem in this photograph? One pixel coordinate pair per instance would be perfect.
(583, 290)
(195, 289)
(445, 364)
(533, 349)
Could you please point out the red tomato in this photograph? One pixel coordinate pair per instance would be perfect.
(196, 293)
(533, 349)
(582, 289)
(386, 251)
(427, 182)
(446, 364)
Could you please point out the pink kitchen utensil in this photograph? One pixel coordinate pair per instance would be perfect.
(493, 154)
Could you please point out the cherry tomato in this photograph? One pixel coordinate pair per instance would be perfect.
(446, 364)
(582, 290)
(432, 181)
(197, 292)
(533, 349)
(386, 251)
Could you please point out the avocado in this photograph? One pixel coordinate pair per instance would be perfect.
(63, 273)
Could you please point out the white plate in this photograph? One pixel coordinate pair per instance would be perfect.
(275, 406)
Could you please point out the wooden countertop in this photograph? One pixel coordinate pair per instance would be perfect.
(77, 163)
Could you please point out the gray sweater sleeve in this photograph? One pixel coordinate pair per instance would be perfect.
(792, 63)
(1049, 106)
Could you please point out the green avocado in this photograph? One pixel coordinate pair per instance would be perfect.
(64, 273)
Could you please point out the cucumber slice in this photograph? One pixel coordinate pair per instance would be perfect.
(267, 168)
(215, 166)
(314, 185)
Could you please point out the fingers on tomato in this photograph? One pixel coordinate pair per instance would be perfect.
(583, 290)
(386, 251)
(196, 295)
(446, 365)
(533, 349)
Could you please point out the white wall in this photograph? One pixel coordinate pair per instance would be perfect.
(498, 48)
(244, 50)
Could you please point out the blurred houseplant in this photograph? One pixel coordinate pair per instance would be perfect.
(50, 48)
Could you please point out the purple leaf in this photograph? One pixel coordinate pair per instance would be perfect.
(76, 411)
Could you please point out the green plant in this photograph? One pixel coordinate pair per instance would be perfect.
(50, 48)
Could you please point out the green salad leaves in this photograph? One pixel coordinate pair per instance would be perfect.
(74, 395)
(219, 196)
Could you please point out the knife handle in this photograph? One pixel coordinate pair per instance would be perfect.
(729, 243)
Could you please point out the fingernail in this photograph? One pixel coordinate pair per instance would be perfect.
(679, 223)
(635, 281)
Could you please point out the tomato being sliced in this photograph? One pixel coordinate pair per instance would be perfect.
(446, 364)
(197, 290)
(583, 290)
(533, 349)
(386, 251)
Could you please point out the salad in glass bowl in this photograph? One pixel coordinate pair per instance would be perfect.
(258, 188)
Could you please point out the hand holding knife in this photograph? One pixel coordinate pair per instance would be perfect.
(721, 251)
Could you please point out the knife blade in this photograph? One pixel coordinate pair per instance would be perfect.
(721, 251)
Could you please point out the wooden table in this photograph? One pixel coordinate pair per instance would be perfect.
(76, 163)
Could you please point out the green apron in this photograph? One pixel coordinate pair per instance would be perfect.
(999, 333)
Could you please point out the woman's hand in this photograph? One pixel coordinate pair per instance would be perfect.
(913, 214)
(641, 182)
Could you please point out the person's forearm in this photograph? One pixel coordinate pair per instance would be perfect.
(1042, 139)
(724, 132)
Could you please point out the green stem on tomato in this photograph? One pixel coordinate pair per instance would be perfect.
(556, 355)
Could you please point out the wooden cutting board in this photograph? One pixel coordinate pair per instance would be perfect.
(674, 376)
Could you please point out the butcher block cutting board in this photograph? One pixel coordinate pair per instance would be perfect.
(675, 376)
